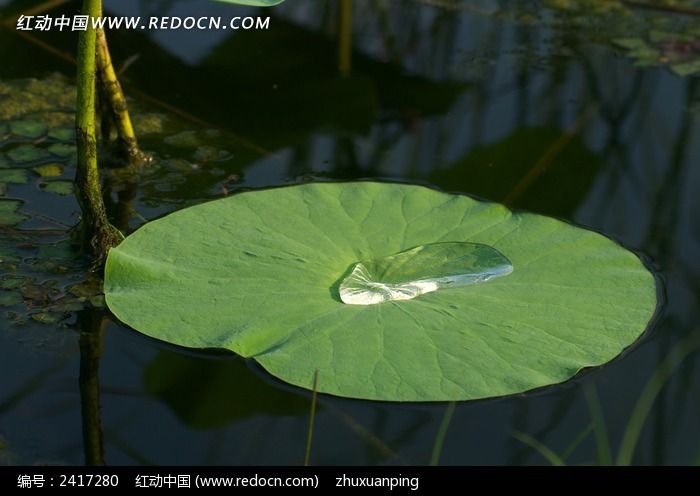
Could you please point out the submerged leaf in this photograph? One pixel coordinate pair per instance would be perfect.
(258, 273)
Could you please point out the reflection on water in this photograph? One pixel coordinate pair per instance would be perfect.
(489, 98)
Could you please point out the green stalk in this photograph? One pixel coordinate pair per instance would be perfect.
(114, 105)
(312, 418)
(599, 428)
(442, 433)
(543, 450)
(94, 222)
(580, 438)
(658, 380)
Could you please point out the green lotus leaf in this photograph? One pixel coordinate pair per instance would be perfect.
(259, 273)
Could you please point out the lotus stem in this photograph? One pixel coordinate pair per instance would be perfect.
(114, 107)
(94, 223)
(91, 345)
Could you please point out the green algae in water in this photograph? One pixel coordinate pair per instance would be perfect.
(421, 270)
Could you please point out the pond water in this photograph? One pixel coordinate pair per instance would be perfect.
(591, 119)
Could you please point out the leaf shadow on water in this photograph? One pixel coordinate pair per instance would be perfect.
(208, 391)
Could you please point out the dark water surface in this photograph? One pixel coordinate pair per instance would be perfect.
(466, 96)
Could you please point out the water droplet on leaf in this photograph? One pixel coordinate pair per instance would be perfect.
(421, 270)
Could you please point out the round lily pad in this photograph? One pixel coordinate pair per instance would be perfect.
(8, 212)
(10, 298)
(27, 153)
(14, 176)
(63, 188)
(63, 133)
(49, 170)
(63, 150)
(259, 273)
(28, 129)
